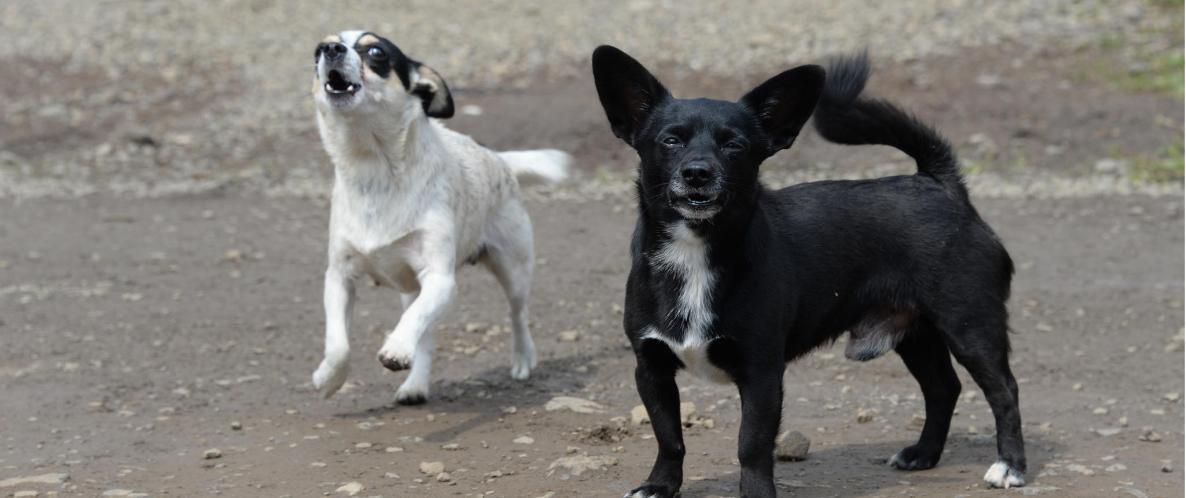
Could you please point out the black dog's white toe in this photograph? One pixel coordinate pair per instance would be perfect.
(1003, 475)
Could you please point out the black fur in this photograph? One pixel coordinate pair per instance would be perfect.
(901, 263)
(845, 118)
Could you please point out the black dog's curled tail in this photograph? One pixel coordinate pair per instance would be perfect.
(844, 117)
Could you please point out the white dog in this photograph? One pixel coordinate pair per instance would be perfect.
(412, 201)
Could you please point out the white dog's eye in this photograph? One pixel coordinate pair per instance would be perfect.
(377, 53)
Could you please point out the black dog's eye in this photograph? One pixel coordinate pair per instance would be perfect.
(734, 145)
(671, 141)
(377, 53)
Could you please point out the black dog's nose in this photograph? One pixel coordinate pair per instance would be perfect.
(333, 51)
(696, 174)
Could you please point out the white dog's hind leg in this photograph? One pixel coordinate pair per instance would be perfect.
(510, 257)
(339, 305)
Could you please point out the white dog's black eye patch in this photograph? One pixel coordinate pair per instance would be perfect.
(389, 58)
(384, 58)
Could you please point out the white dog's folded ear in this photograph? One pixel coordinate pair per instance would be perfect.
(432, 90)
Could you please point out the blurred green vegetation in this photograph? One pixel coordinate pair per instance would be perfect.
(1167, 165)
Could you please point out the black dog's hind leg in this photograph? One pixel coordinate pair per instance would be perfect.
(655, 377)
(927, 358)
(982, 347)
(761, 413)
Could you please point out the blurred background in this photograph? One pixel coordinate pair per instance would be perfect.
(151, 97)
(163, 214)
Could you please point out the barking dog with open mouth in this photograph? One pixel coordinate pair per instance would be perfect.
(731, 280)
(412, 201)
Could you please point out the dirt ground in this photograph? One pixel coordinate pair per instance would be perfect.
(133, 341)
(144, 324)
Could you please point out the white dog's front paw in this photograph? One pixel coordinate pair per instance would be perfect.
(522, 362)
(1001, 475)
(396, 357)
(412, 393)
(330, 376)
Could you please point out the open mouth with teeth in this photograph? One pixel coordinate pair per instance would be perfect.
(700, 200)
(336, 84)
(698, 205)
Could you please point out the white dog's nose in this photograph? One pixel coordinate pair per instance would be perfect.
(333, 51)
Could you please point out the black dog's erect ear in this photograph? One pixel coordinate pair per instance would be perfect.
(785, 102)
(627, 90)
(432, 90)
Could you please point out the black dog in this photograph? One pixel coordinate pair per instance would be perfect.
(731, 280)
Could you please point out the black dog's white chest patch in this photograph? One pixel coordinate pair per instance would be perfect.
(693, 353)
(685, 255)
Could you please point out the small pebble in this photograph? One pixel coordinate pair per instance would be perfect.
(792, 446)
(1149, 435)
(432, 468)
(350, 488)
(864, 416)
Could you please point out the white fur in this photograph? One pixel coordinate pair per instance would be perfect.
(1001, 475)
(686, 255)
(549, 165)
(349, 38)
(412, 201)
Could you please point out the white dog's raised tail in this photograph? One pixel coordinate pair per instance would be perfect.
(538, 166)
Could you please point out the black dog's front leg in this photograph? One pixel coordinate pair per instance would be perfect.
(655, 376)
(761, 414)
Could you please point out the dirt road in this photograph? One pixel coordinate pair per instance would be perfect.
(137, 333)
